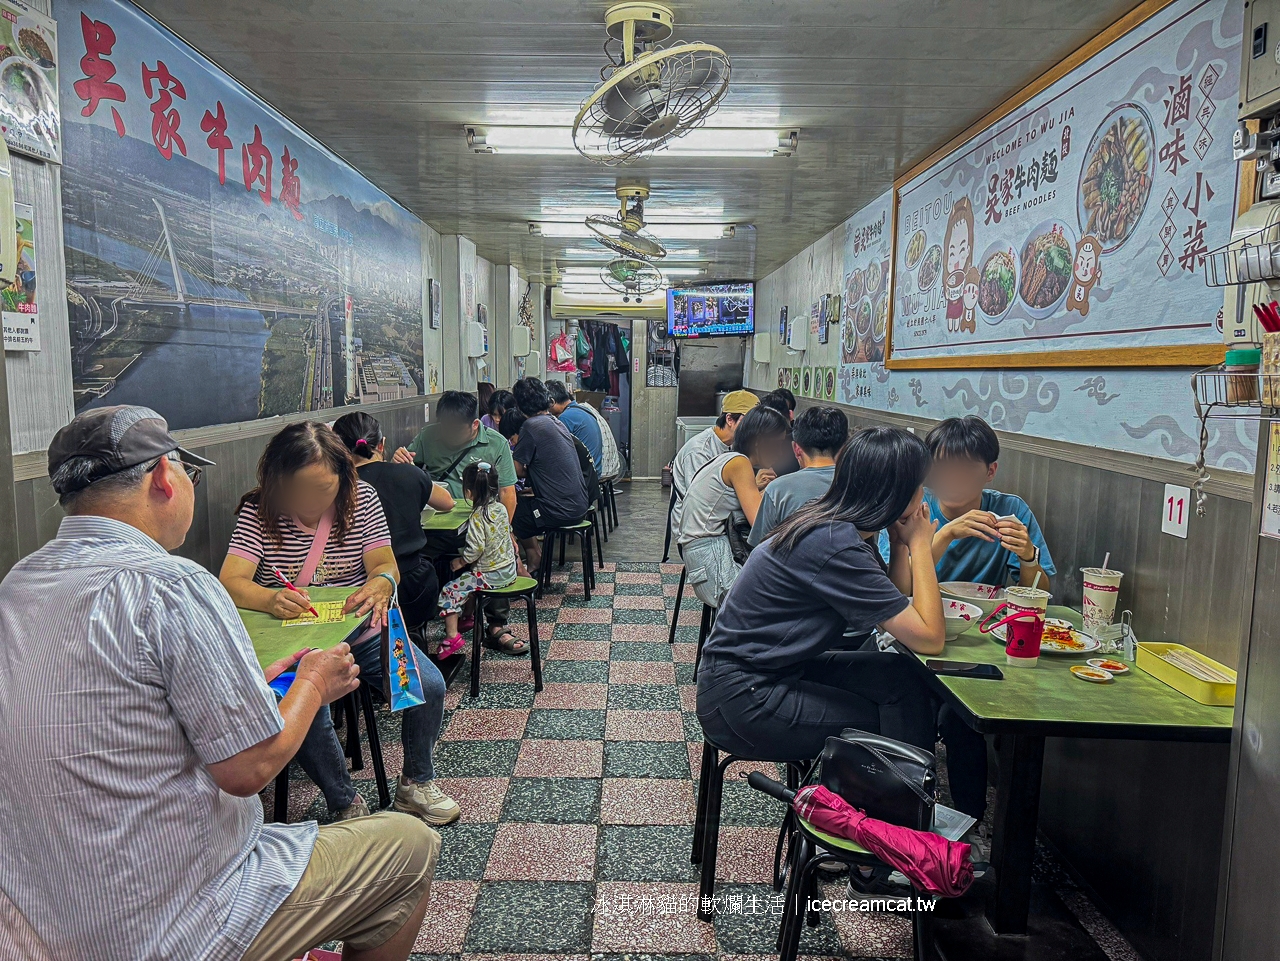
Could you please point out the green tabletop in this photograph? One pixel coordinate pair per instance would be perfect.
(449, 520)
(1049, 700)
(272, 641)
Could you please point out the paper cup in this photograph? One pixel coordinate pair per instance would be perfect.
(1101, 588)
(1023, 648)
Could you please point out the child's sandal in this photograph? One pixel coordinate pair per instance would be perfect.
(450, 646)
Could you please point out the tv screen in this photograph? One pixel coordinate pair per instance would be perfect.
(711, 310)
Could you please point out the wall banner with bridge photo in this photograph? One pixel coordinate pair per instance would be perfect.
(1072, 230)
(206, 233)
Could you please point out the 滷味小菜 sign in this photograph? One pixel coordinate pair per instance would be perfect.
(1073, 229)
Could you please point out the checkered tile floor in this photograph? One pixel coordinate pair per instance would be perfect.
(578, 803)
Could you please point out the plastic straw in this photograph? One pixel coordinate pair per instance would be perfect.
(1036, 582)
(1105, 561)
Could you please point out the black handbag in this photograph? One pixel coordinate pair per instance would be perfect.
(890, 780)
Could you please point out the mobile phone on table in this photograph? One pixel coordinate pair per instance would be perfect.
(965, 669)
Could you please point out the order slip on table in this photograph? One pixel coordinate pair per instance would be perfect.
(272, 641)
(1029, 705)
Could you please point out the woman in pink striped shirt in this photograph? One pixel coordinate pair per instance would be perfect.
(307, 483)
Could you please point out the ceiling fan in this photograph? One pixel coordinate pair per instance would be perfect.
(624, 232)
(652, 94)
(631, 278)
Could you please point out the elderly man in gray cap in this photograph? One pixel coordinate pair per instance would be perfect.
(139, 730)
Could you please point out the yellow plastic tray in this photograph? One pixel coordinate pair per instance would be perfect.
(1206, 692)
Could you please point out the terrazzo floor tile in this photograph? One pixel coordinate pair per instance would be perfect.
(640, 651)
(747, 917)
(476, 758)
(688, 697)
(639, 603)
(645, 853)
(585, 615)
(746, 855)
(560, 759)
(567, 696)
(445, 927)
(530, 957)
(642, 672)
(868, 934)
(499, 695)
(565, 631)
(485, 725)
(644, 697)
(520, 916)
(652, 633)
(684, 673)
(479, 797)
(646, 801)
(576, 672)
(553, 725)
(649, 918)
(683, 652)
(553, 800)
(579, 651)
(464, 851)
(645, 759)
(543, 852)
(637, 577)
(630, 725)
(500, 670)
(691, 616)
(639, 589)
(640, 617)
(746, 807)
(532, 916)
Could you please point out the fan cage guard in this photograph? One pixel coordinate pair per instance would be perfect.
(612, 233)
(675, 77)
(645, 278)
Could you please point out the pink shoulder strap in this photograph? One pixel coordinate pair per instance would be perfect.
(318, 544)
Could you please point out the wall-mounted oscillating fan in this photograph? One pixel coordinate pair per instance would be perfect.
(654, 94)
(631, 278)
(625, 234)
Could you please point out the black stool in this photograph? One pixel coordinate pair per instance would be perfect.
(524, 587)
(666, 541)
(352, 751)
(610, 496)
(675, 615)
(593, 517)
(581, 530)
(706, 825)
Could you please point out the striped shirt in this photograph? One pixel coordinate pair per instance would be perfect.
(341, 565)
(124, 673)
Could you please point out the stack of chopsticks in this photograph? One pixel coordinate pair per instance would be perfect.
(1268, 316)
(1186, 661)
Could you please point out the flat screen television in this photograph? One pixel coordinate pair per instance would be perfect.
(724, 309)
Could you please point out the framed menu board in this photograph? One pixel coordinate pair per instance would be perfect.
(1070, 226)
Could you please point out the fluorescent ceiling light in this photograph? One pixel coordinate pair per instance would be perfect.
(665, 271)
(702, 142)
(655, 211)
(580, 253)
(553, 228)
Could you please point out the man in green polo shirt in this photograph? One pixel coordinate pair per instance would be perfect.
(445, 449)
(457, 438)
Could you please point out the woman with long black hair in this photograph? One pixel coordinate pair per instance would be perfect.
(778, 675)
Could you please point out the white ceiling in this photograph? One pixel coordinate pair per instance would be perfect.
(873, 85)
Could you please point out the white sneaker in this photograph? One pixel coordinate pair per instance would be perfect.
(356, 809)
(426, 801)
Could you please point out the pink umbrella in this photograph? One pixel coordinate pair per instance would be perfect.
(931, 862)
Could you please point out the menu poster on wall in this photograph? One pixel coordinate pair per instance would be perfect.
(782, 325)
(21, 318)
(436, 306)
(29, 117)
(1271, 496)
(867, 281)
(205, 232)
(1080, 221)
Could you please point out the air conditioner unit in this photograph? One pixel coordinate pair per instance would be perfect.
(473, 338)
(760, 348)
(606, 306)
(521, 341)
(797, 333)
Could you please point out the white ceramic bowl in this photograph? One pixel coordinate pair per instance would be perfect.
(986, 597)
(960, 616)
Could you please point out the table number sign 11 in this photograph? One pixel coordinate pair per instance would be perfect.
(1177, 510)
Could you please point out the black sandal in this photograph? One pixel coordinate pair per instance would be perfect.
(509, 647)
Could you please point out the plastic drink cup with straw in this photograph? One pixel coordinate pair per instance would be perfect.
(1101, 589)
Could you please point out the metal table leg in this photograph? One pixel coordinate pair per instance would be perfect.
(1021, 759)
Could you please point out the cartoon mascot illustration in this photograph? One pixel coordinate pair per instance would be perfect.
(969, 298)
(958, 249)
(1086, 271)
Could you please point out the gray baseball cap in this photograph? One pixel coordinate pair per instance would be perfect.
(120, 437)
